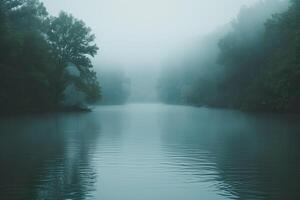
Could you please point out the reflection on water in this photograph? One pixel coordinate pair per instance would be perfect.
(146, 152)
(47, 157)
(243, 156)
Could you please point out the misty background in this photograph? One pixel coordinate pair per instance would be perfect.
(225, 74)
(136, 37)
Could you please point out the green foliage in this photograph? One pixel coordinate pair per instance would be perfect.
(258, 62)
(32, 74)
(283, 64)
(244, 53)
(72, 42)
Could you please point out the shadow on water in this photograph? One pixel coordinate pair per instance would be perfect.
(243, 156)
(150, 152)
(47, 157)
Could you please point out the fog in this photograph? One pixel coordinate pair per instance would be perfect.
(138, 35)
(150, 99)
(135, 32)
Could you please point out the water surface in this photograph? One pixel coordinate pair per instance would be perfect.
(150, 152)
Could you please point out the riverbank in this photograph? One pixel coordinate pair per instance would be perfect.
(30, 111)
(246, 109)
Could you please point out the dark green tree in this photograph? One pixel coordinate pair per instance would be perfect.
(33, 74)
(71, 41)
(282, 76)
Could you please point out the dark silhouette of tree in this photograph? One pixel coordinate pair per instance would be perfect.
(33, 74)
(257, 63)
(71, 41)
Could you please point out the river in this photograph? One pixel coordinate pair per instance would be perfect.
(150, 152)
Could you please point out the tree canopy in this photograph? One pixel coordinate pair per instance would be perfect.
(256, 65)
(35, 50)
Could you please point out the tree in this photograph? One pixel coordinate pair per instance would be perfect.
(243, 53)
(71, 41)
(24, 56)
(33, 60)
(282, 77)
(256, 67)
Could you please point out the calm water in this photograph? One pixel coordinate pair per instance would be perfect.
(150, 152)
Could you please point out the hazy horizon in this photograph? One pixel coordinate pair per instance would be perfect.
(139, 33)
(184, 99)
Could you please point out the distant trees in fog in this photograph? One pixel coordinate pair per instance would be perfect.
(255, 65)
(115, 86)
(35, 50)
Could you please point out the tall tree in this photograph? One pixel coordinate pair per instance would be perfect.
(33, 75)
(71, 41)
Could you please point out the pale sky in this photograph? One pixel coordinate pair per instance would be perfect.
(138, 33)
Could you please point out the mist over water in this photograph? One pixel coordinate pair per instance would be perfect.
(138, 36)
(150, 151)
(185, 99)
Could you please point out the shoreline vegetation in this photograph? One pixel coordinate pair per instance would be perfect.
(45, 61)
(63, 109)
(251, 65)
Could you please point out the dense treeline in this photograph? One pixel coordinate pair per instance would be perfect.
(253, 66)
(42, 57)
